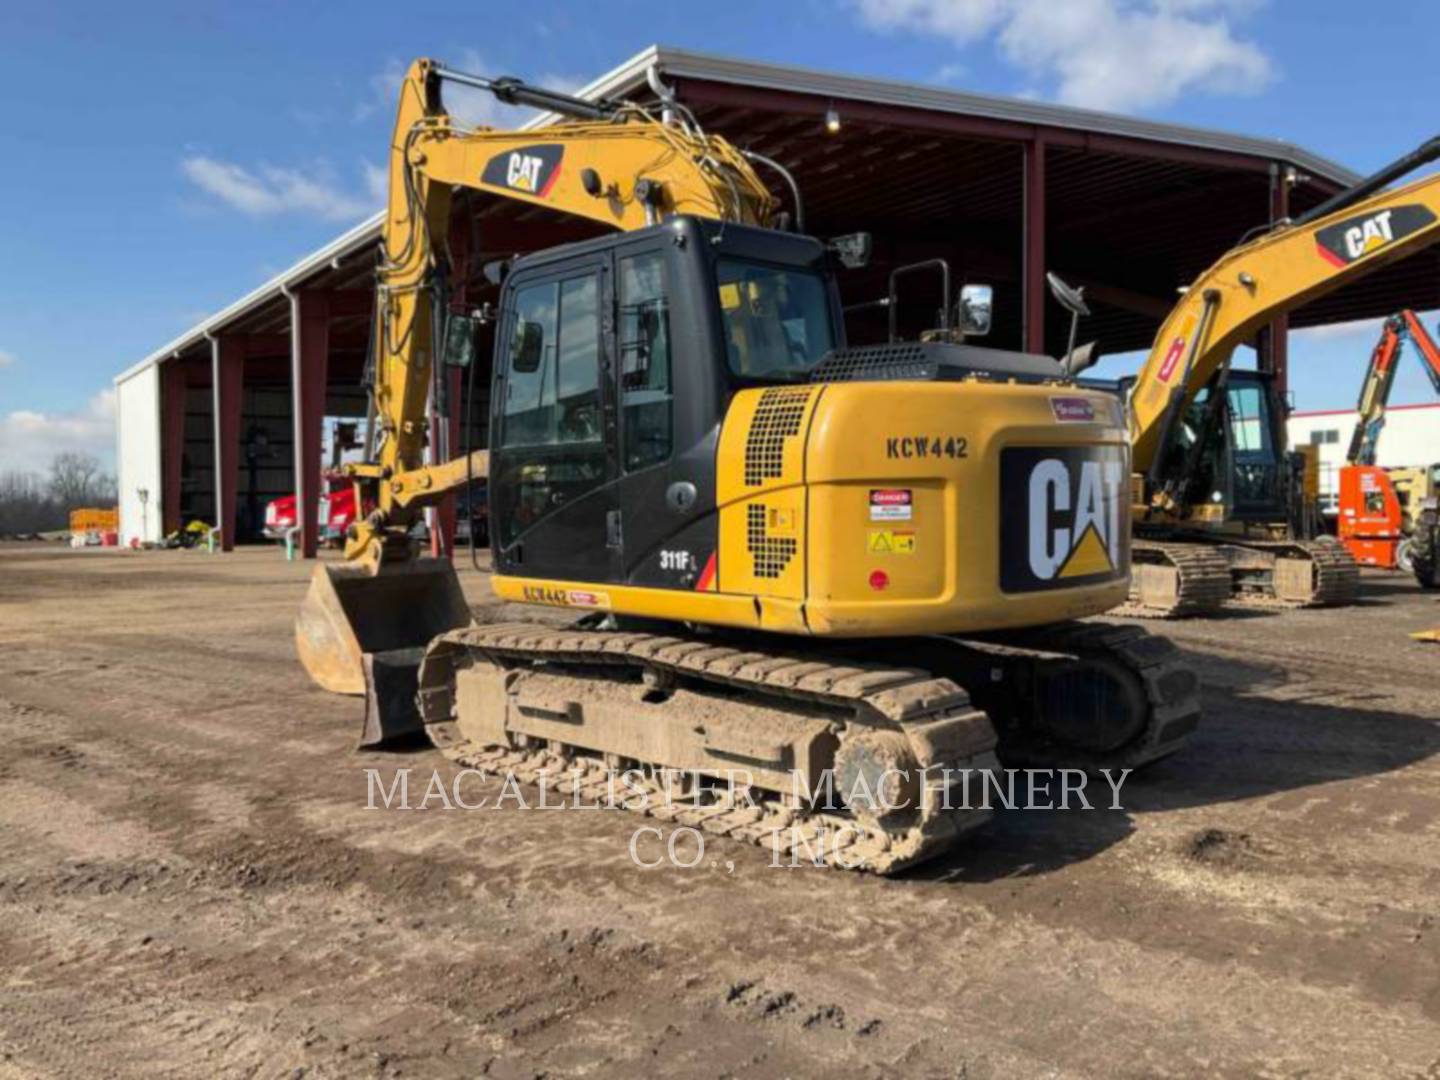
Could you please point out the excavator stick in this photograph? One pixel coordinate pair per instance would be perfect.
(351, 615)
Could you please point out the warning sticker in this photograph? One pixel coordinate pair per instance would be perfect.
(546, 594)
(891, 542)
(891, 504)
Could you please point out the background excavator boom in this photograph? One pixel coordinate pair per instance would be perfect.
(1380, 380)
(1275, 273)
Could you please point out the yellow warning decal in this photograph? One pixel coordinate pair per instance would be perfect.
(1087, 557)
(890, 542)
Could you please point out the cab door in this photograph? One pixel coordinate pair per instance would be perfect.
(552, 460)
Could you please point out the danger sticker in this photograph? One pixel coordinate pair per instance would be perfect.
(890, 542)
(891, 504)
(1172, 358)
(1073, 410)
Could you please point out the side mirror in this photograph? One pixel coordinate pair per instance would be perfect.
(852, 249)
(461, 334)
(1078, 360)
(1069, 297)
(496, 271)
(977, 302)
(1073, 301)
(527, 347)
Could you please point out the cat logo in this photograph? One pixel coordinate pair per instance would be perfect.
(1066, 519)
(531, 170)
(523, 172)
(1345, 241)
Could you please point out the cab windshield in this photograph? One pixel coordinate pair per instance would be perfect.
(777, 320)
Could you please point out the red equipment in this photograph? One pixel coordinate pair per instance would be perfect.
(1372, 523)
(337, 511)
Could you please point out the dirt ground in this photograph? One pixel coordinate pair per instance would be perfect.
(191, 884)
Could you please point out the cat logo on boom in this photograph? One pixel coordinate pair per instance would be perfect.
(532, 170)
(1345, 241)
(1065, 517)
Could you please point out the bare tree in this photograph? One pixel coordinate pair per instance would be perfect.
(26, 505)
(77, 480)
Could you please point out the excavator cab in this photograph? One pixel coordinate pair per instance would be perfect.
(604, 435)
(1234, 457)
(614, 361)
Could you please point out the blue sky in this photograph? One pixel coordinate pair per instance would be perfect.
(163, 158)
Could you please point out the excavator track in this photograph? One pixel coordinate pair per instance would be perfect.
(566, 708)
(1175, 580)
(507, 698)
(1303, 573)
(1089, 695)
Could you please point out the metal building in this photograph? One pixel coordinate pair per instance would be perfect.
(230, 413)
(1411, 437)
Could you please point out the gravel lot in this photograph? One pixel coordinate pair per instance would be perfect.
(191, 883)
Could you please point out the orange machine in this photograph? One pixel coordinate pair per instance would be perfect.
(1373, 523)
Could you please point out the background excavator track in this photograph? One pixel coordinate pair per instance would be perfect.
(1334, 580)
(1201, 580)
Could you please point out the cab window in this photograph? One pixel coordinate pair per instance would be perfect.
(646, 390)
(552, 387)
(777, 320)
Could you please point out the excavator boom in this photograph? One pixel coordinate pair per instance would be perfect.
(612, 165)
(1254, 283)
(1220, 509)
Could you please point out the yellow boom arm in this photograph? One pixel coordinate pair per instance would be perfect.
(1252, 284)
(622, 169)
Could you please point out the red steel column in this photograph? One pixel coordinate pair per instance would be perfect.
(227, 360)
(309, 360)
(172, 399)
(1279, 337)
(1034, 261)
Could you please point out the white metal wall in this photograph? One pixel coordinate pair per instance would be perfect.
(1411, 436)
(137, 456)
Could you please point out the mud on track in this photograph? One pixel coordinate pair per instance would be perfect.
(190, 884)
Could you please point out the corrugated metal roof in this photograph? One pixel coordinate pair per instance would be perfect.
(681, 63)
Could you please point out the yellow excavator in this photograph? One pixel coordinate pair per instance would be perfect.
(849, 576)
(1218, 504)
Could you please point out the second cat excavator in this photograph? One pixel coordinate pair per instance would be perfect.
(1218, 504)
(848, 576)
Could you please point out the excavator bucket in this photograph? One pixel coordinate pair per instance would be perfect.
(354, 623)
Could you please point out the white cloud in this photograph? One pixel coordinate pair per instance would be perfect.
(6, 358)
(1120, 55)
(268, 191)
(29, 439)
(377, 183)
